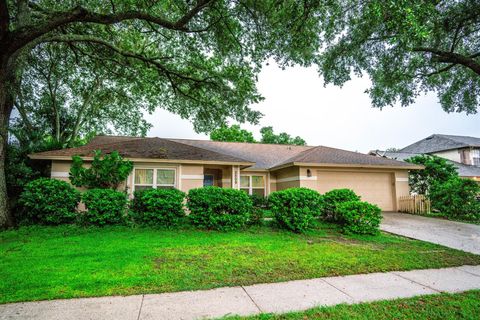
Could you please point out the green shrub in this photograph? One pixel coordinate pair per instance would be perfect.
(295, 209)
(219, 208)
(359, 217)
(49, 201)
(162, 207)
(105, 172)
(104, 207)
(333, 198)
(456, 198)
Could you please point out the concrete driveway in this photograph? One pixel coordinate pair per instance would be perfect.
(457, 235)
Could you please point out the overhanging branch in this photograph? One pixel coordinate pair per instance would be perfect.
(452, 57)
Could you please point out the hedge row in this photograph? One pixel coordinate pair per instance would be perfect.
(50, 201)
(53, 202)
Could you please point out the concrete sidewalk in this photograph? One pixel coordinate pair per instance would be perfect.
(249, 300)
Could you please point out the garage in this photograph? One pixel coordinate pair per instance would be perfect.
(373, 187)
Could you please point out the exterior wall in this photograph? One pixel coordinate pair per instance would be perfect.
(191, 177)
(453, 155)
(287, 178)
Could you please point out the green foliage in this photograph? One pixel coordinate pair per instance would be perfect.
(268, 136)
(456, 198)
(231, 134)
(296, 209)
(406, 48)
(333, 198)
(105, 172)
(436, 170)
(162, 207)
(104, 207)
(359, 217)
(219, 208)
(49, 201)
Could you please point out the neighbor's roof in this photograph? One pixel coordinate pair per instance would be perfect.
(441, 142)
(137, 148)
(255, 155)
(464, 170)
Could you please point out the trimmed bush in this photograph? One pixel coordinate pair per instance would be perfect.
(359, 217)
(161, 207)
(456, 198)
(104, 207)
(295, 209)
(333, 198)
(50, 201)
(219, 208)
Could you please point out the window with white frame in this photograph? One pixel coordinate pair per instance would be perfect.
(253, 185)
(476, 157)
(158, 178)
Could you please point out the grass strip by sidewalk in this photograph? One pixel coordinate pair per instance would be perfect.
(464, 305)
(39, 263)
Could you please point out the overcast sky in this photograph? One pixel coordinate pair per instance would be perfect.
(297, 102)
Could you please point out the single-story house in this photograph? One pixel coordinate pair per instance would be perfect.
(253, 167)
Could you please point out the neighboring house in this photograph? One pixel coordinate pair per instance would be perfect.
(253, 167)
(463, 152)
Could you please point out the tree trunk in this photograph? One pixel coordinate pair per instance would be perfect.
(6, 105)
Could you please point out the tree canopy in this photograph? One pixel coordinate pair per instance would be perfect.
(268, 136)
(236, 134)
(437, 170)
(232, 134)
(407, 48)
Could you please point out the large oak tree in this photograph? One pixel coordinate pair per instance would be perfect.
(198, 59)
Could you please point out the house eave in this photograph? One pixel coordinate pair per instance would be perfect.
(338, 165)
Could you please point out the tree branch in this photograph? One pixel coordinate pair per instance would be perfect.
(25, 35)
(124, 53)
(4, 18)
(451, 57)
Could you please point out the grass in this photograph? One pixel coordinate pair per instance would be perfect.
(39, 263)
(442, 307)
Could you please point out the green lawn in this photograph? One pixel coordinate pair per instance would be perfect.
(441, 307)
(64, 262)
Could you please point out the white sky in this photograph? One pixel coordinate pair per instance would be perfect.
(297, 102)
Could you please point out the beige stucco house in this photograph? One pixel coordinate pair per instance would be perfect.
(253, 167)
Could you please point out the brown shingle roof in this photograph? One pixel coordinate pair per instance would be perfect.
(148, 148)
(264, 155)
(261, 156)
(327, 155)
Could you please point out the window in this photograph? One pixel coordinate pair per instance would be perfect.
(208, 180)
(476, 157)
(153, 178)
(253, 185)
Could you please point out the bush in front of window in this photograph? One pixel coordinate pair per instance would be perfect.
(104, 207)
(219, 208)
(359, 217)
(159, 207)
(296, 209)
(49, 201)
(333, 198)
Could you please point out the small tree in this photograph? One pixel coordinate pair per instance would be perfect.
(105, 172)
(437, 170)
(232, 134)
(268, 136)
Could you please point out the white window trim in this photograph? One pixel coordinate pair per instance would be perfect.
(155, 185)
(250, 186)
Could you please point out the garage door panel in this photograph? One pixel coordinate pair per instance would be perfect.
(373, 187)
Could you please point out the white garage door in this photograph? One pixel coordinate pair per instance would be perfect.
(373, 187)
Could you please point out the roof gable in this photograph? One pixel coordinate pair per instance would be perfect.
(441, 142)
